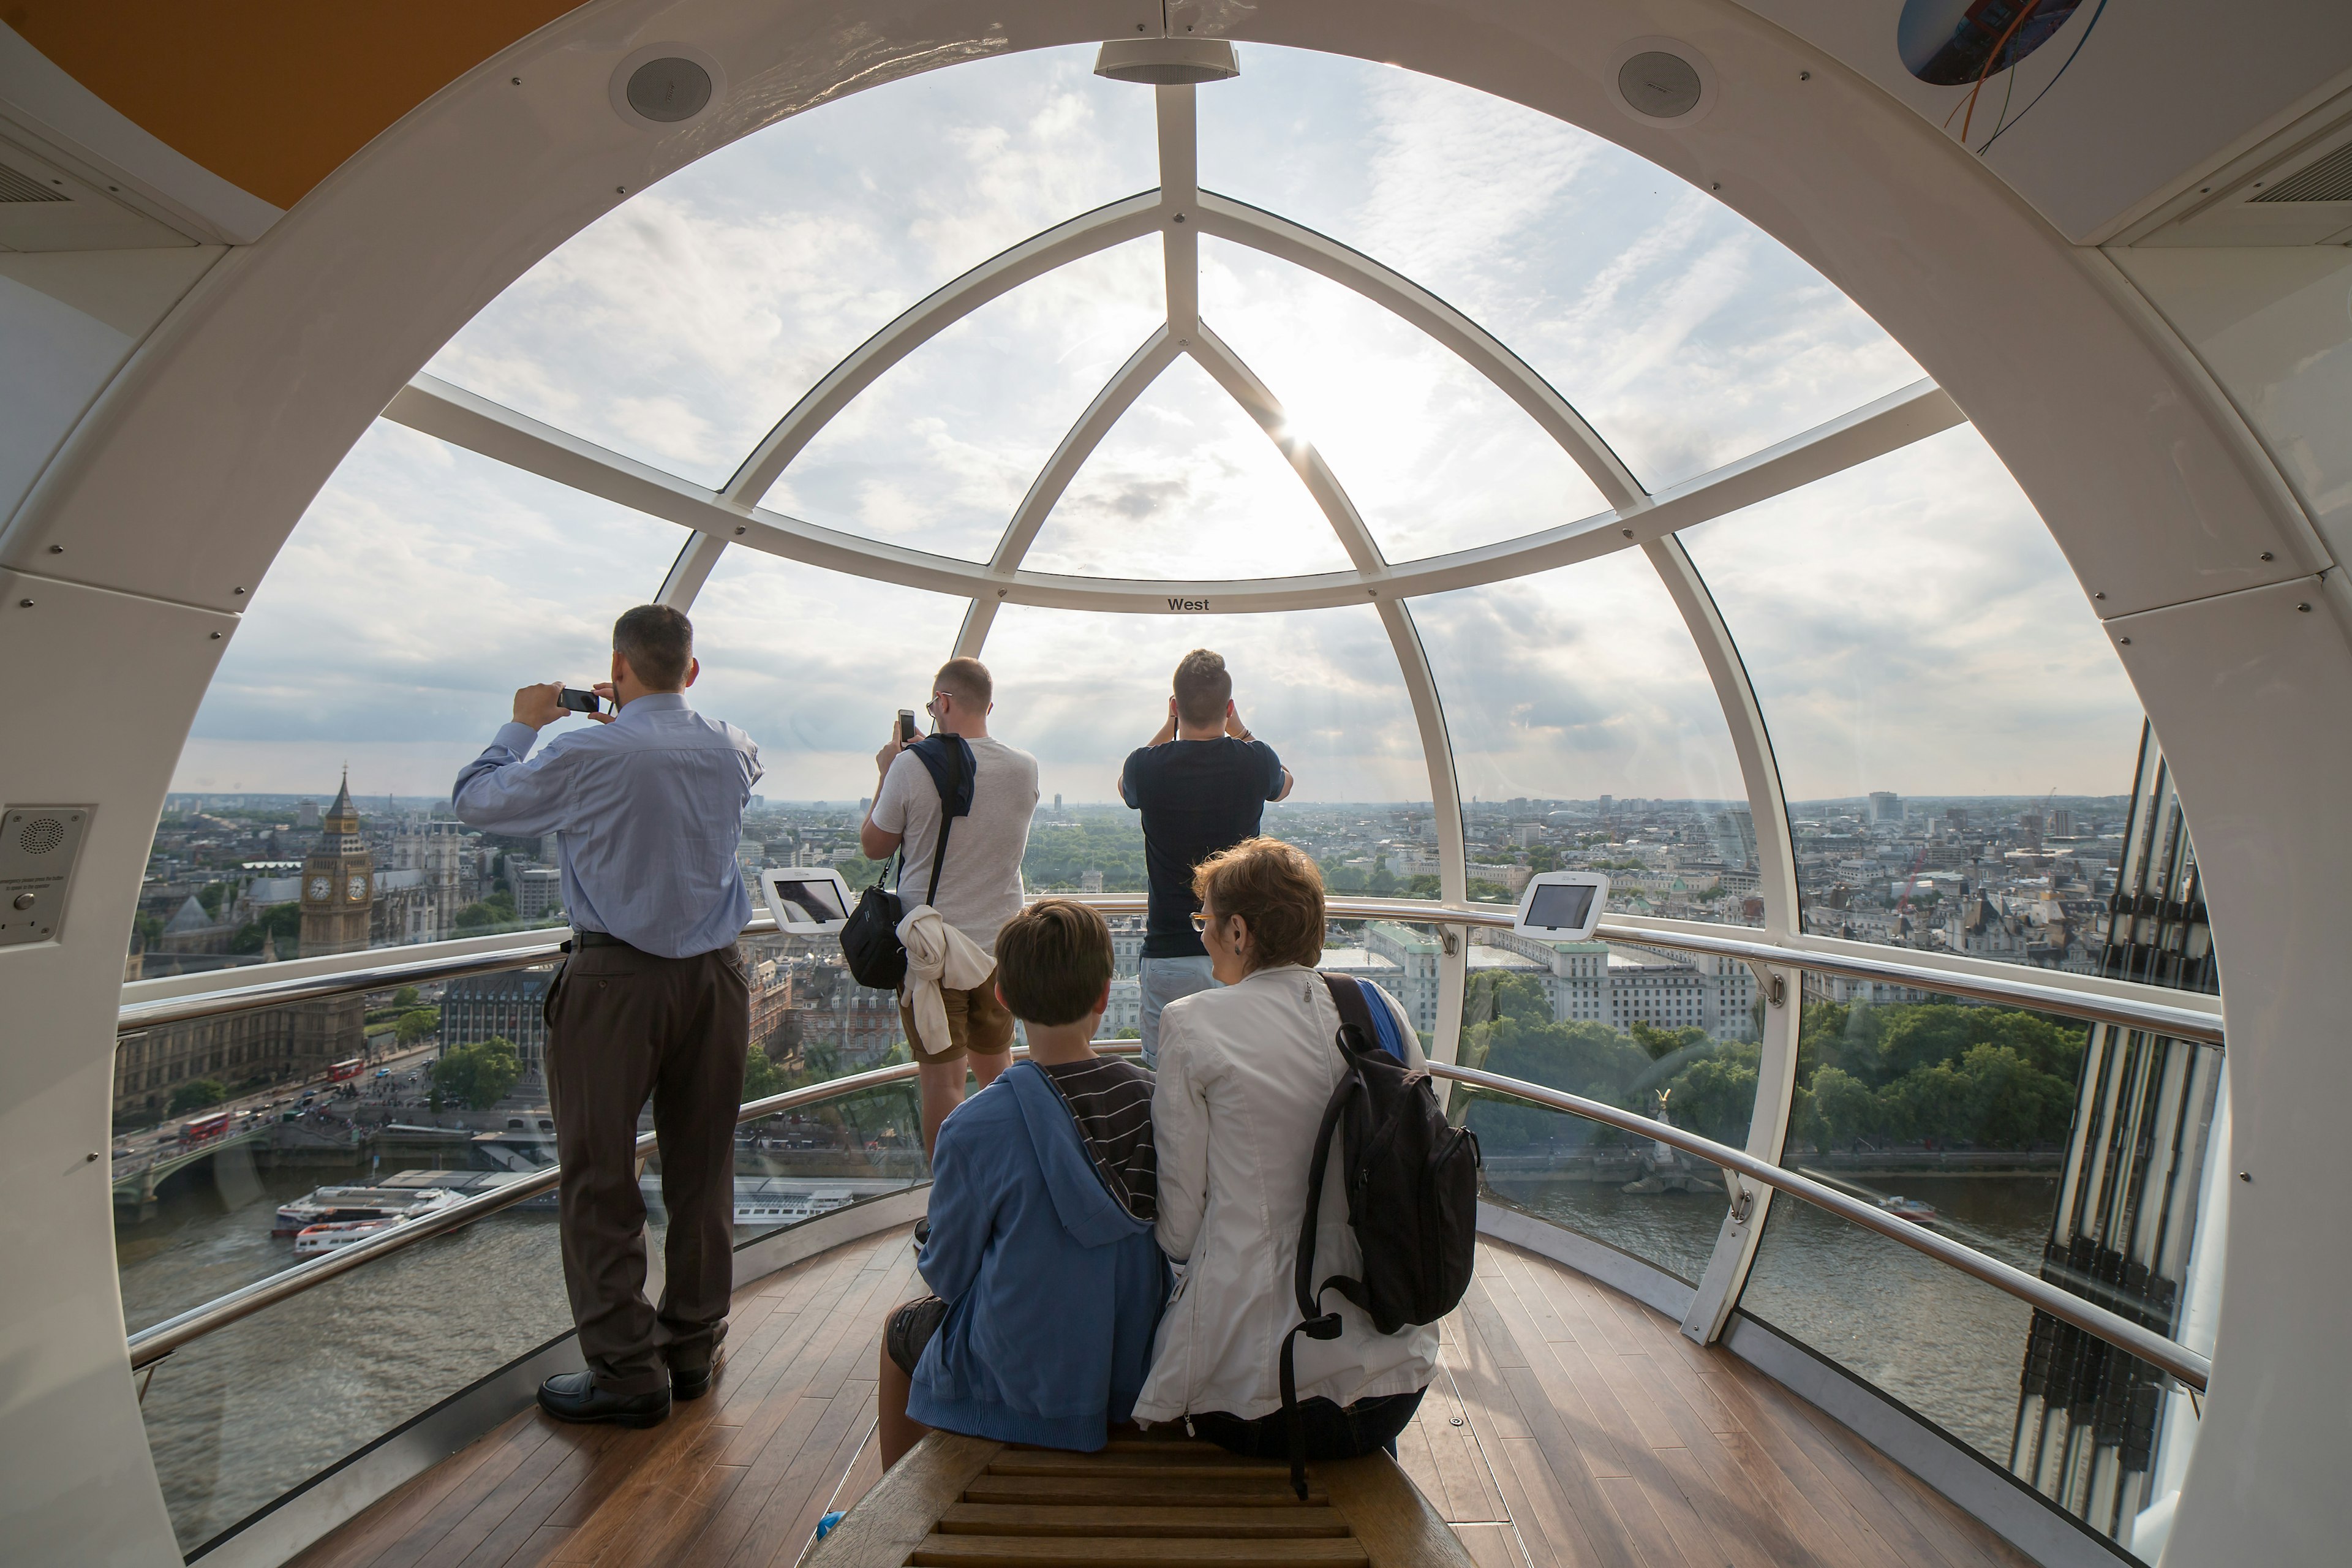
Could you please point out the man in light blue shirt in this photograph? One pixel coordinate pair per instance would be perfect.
(653, 1002)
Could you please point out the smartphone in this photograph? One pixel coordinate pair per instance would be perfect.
(907, 736)
(578, 702)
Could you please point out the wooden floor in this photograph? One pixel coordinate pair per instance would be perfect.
(1570, 1425)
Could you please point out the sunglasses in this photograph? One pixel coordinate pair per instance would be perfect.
(1199, 922)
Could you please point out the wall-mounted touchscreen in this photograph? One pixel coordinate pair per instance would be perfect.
(806, 901)
(1564, 905)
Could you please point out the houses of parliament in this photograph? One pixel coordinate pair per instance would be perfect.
(339, 898)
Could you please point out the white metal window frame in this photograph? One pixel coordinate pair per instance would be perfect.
(1180, 212)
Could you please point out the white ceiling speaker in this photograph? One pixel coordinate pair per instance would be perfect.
(1662, 83)
(665, 86)
(1168, 62)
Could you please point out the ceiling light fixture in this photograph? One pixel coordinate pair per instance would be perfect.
(1168, 62)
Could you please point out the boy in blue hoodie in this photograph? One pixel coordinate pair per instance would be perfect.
(1048, 1282)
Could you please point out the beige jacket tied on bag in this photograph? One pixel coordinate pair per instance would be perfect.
(1244, 1075)
(938, 955)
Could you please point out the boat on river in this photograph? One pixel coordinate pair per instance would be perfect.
(1912, 1209)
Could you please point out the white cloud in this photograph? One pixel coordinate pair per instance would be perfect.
(1909, 625)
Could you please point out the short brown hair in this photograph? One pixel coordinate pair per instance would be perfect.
(965, 677)
(1276, 889)
(1203, 686)
(1053, 960)
(659, 643)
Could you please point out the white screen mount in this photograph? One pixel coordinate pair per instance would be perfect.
(1563, 906)
(807, 900)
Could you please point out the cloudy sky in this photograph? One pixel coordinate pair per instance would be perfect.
(1909, 625)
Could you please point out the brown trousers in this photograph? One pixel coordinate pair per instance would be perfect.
(623, 1025)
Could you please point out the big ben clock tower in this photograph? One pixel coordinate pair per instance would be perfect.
(338, 896)
(338, 882)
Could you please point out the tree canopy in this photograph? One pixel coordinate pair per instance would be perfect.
(479, 1075)
(197, 1095)
(1934, 1072)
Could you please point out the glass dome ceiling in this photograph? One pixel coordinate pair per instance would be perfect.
(970, 361)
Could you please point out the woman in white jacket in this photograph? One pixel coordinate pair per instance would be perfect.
(1244, 1075)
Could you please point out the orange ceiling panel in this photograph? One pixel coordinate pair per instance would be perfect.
(270, 95)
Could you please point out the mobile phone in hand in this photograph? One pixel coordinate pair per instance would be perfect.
(907, 736)
(577, 701)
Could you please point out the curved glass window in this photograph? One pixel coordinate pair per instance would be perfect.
(813, 665)
(1587, 734)
(1955, 737)
(938, 452)
(1320, 687)
(1666, 1034)
(1186, 486)
(424, 585)
(681, 325)
(1686, 335)
(1434, 456)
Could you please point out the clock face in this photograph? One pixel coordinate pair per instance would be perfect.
(357, 890)
(321, 886)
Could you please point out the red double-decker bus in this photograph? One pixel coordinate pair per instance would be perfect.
(205, 1126)
(342, 1070)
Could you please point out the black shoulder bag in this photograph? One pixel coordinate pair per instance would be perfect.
(869, 940)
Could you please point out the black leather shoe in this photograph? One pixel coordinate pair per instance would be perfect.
(575, 1397)
(695, 1384)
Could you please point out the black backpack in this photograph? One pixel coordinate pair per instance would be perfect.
(869, 938)
(1412, 1197)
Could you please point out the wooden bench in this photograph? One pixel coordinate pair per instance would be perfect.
(1142, 1503)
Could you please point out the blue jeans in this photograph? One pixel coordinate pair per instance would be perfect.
(1163, 980)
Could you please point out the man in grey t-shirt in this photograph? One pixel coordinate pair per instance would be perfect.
(979, 878)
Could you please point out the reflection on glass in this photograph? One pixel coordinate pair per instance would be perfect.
(1686, 335)
(1939, 1342)
(937, 454)
(1187, 487)
(1587, 736)
(1639, 1028)
(1433, 455)
(680, 326)
(247, 1412)
(1954, 736)
(381, 655)
(1955, 1117)
(241, 1416)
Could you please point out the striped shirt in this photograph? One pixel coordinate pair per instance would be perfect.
(1111, 1102)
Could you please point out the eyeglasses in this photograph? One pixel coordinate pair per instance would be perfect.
(1199, 922)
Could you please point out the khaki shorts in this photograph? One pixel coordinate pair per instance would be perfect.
(978, 1024)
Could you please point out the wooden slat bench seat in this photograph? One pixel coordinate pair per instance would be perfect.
(1142, 1503)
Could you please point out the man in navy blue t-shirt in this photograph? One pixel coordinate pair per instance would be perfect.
(1202, 785)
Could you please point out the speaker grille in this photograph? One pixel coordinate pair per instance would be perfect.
(669, 90)
(18, 186)
(1660, 85)
(2329, 180)
(41, 834)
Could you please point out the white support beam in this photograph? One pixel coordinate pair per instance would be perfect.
(1179, 188)
(1244, 386)
(1446, 803)
(691, 570)
(1032, 257)
(1413, 662)
(1303, 246)
(437, 408)
(1776, 854)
